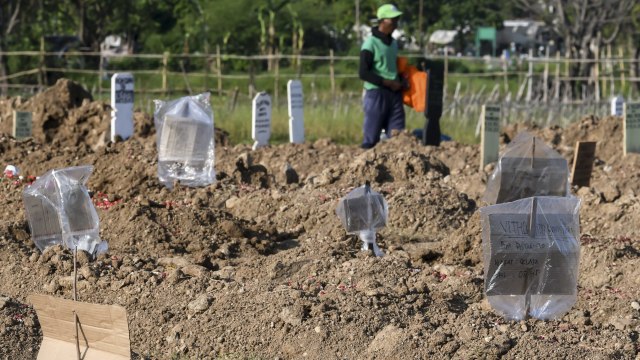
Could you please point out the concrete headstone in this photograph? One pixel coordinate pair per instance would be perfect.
(296, 112)
(490, 133)
(261, 120)
(22, 124)
(616, 105)
(631, 128)
(122, 105)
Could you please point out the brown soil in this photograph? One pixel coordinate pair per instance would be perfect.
(274, 274)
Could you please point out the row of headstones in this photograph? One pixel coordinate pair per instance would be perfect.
(122, 103)
(490, 129)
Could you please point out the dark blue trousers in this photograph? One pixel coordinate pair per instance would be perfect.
(383, 109)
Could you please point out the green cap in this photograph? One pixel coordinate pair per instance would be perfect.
(388, 11)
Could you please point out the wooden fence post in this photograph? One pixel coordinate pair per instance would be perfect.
(446, 73)
(252, 79)
(276, 78)
(100, 74)
(165, 62)
(332, 74)
(42, 74)
(219, 67)
(207, 68)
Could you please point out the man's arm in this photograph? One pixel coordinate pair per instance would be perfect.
(366, 69)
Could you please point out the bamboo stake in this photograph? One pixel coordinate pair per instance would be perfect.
(530, 77)
(621, 56)
(545, 89)
(556, 85)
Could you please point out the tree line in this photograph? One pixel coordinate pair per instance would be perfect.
(299, 26)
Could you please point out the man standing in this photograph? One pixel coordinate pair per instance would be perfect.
(383, 108)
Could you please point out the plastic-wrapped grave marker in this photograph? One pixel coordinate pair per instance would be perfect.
(60, 211)
(261, 120)
(364, 211)
(527, 168)
(185, 140)
(531, 251)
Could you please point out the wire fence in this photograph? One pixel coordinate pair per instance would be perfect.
(540, 89)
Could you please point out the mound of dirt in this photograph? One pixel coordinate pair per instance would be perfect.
(258, 265)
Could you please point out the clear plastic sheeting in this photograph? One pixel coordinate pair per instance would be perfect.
(60, 211)
(364, 211)
(528, 167)
(185, 140)
(531, 250)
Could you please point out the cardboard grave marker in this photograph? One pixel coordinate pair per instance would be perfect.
(532, 254)
(526, 177)
(616, 105)
(583, 158)
(489, 133)
(261, 120)
(296, 111)
(22, 124)
(631, 128)
(102, 332)
(122, 106)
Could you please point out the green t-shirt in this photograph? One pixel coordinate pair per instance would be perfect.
(384, 59)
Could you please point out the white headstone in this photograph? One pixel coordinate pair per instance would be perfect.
(490, 133)
(616, 105)
(261, 120)
(631, 128)
(22, 121)
(122, 105)
(296, 112)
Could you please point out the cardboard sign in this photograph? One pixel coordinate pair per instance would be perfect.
(583, 158)
(261, 120)
(489, 133)
(616, 106)
(22, 124)
(103, 330)
(121, 105)
(296, 112)
(539, 259)
(631, 128)
(525, 177)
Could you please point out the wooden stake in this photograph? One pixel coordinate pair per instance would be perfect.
(75, 297)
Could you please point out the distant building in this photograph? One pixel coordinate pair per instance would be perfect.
(441, 41)
(519, 36)
(114, 45)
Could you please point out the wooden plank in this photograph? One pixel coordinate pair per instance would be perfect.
(583, 157)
